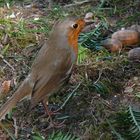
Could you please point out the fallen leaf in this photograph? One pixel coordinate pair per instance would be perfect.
(5, 88)
(2, 135)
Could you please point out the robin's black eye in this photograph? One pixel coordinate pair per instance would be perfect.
(75, 26)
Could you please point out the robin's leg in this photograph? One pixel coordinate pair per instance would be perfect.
(52, 123)
(48, 111)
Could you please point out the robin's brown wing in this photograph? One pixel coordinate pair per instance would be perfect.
(52, 74)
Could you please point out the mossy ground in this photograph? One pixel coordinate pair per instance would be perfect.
(103, 77)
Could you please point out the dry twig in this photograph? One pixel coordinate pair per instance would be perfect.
(78, 3)
(70, 96)
(7, 62)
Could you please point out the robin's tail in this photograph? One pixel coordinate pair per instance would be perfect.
(24, 90)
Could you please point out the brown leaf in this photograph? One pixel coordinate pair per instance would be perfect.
(2, 135)
(5, 88)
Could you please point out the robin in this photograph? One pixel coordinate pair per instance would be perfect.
(51, 68)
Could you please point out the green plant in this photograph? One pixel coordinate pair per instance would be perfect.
(127, 124)
(82, 54)
(114, 131)
(62, 136)
(93, 39)
(134, 118)
(37, 136)
(102, 88)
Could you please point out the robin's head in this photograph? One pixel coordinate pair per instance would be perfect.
(69, 26)
(69, 30)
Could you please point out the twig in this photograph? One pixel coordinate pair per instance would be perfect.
(100, 74)
(78, 3)
(70, 96)
(7, 131)
(7, 63)
(16, 127)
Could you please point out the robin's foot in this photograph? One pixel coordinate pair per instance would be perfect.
(49, 113)
(55, 112)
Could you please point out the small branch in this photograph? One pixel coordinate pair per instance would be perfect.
(100, 74)
(79, 3)
(70, 96)
(16, 127)
(7, 131)
(7, 62)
